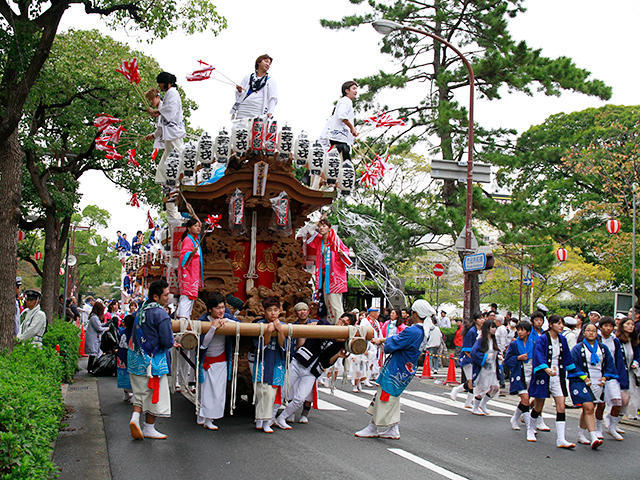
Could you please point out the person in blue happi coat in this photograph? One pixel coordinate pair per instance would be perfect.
(552, 361)
(396, 374)
(519, 361)
(469, 336)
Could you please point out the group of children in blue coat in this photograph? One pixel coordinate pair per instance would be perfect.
(598, 371)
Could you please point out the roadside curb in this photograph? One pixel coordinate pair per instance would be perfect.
(81, 447)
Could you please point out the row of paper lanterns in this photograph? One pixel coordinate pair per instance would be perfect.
(613, 227)
(258, 135)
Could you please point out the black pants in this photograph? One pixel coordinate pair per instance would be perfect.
(343, 148)
(90, 363)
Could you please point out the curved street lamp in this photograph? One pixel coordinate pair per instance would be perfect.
(385, 27)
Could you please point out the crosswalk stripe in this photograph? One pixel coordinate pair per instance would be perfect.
(449, 402)
(419, 406)
(324, 405)
(363, 402)
(427, 464)
(504, 406)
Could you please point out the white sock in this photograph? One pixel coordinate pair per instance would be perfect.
(560, 430)
(135, 418)
(599, 425)
(594, 436)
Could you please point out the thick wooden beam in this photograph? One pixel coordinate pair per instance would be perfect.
(298, 331)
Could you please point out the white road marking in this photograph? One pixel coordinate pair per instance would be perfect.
(324, 405)
(449, 402)
(502, 405)
(361, 401)
(427, 464)
(419, 406)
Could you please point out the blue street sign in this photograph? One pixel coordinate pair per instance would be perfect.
(527, 280)
(475, 262)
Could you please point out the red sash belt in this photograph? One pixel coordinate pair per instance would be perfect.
(154, 385)
(209, 360)
(384, 396)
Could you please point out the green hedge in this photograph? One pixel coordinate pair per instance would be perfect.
(67, 335)
(449, 334)
(31, 402)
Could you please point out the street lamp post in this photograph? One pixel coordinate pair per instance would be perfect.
(385, 27)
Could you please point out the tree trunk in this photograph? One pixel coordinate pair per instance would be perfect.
(10, 186)
(52, 259)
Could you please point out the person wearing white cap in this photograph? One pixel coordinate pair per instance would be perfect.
(35, 321)
(397, 373)
(569, 331)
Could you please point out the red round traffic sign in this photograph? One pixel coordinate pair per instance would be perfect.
(438, 269)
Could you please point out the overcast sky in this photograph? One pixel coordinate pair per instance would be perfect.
(311, 62)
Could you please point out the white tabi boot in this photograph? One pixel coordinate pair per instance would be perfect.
(595, 441)
(483, 404)
(468, 403)
(561, 441)
(149, 431)
(515, 419)
(455, 391)
(281, 422)
(266, 426)
(531, 428)
(476, 407)
(391, 433)
(370, 431)
(613, 428)
(209, 425)
(134, 426)
(259, 424)
(599, 429)
(541, 426)
(200, 420)
(303, 419)
(582, 437)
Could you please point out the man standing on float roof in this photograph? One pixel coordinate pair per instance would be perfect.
(171, 121)
(339, 129)
(397, 373)
(257, 94)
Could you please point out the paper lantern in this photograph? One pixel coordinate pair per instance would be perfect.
(188, 160)
(38, 256)
(20, 235)
(61, 271)
(173, 168)
(347, 178)
(223, 146)
(205, 149)
(285, 141)
(271, 137)
(613, 226)
(301, 149)
(561, 253)
(240, 138)
(331, 167)
(316, 160)
(257, 134)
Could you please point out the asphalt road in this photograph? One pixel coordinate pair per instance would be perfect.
(439, 439)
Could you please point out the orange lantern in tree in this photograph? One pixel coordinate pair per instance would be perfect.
(38, 256)
(561, 253)
(613, 226)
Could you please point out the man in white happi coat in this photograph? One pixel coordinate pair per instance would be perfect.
(35, 321)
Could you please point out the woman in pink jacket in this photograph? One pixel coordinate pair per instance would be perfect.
(190, 268)
(332, 261)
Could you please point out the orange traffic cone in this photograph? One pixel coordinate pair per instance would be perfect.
(451, 373)
(426, 368)
(81, 349)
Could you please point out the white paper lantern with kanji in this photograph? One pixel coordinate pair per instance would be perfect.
(561, 253)
(271, 137)
(205, 149)
(316, 161)
(613, 226)
(331, 167)
(172, 168)
(240, 137)
(222, 147)
(188, 160)
(285, 141)
(301, 149)
(347, 178)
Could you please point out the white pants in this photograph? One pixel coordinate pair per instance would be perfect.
(185, 306)
(333, 301)
(301, 382)
(385, 414)
(213, 392)
(161, 170)
(142, 396)
(265, 396)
